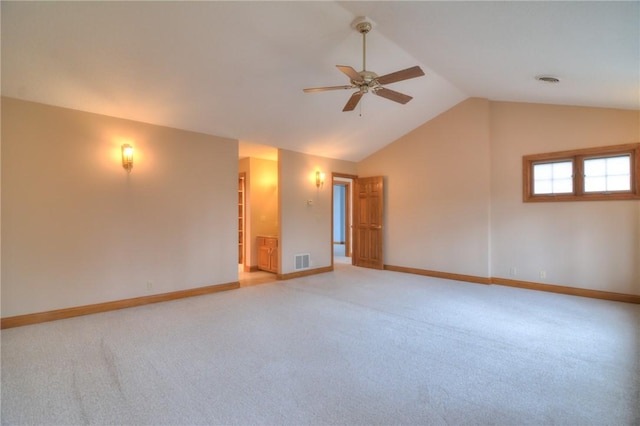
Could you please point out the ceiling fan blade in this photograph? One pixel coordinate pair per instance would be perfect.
(412, 72)
(353, 101)
(350, 72)
(323, 89)
(393, 95)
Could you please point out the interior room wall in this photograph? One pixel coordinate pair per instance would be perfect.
(261, 203)
(437, 192)
(77, 229)
(587, 244)
(454, 198)
(306, 227)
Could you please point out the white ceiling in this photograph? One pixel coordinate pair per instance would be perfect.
(237, 69)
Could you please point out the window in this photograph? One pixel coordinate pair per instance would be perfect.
(553, 178)
(606, 173)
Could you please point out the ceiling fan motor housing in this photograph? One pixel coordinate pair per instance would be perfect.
(368, 76)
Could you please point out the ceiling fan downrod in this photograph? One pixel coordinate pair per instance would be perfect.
(364, 27)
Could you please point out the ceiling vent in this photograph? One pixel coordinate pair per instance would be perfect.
(548, 79)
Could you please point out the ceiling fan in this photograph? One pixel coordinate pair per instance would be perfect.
(368, 81)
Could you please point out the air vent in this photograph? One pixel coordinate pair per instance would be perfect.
(548, 79)
(302, 261)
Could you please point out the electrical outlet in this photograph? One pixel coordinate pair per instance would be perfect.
(543, 275)
(149, 285)
(513, 271)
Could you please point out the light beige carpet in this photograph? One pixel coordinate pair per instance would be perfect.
(354, 346)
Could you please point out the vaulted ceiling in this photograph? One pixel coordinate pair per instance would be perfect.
(237, 69)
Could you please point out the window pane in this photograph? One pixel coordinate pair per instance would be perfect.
(553, 178)
(562, 170)
(596, 167)
(620, 166)
(562, 186)
(607, 174)
(542, 187)
(595, 184)
(618, 183)
(542, 171)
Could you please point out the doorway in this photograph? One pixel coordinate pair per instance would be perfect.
(342, 237)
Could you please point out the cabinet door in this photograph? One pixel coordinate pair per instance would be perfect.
(273, 261)
(264, 258)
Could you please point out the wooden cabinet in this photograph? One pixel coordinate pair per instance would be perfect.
(268, 254)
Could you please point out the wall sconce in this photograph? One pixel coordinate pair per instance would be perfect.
(319, 179)
(127, 157)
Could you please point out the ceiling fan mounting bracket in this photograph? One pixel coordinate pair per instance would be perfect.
(363, 27)
(362, 24)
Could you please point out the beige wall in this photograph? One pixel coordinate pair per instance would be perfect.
(437, 192)
(588, 244)
(261, 203)
(306, 228)
(77, 229)
(454, 198)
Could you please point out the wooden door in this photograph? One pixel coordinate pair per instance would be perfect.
(367, 222)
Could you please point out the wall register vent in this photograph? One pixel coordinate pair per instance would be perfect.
(302, 261)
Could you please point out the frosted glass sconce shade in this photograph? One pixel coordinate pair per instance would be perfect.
(127, 157)
(319, 179)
